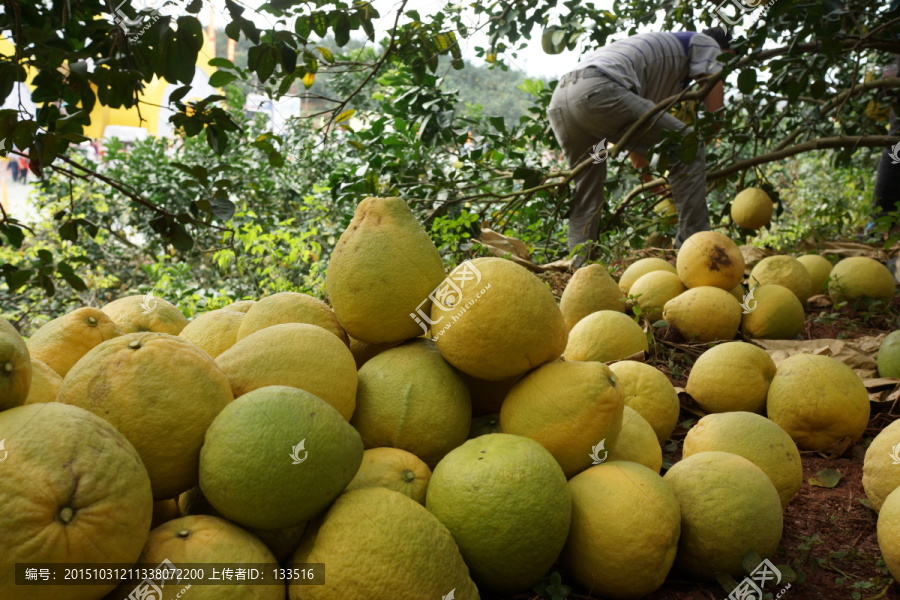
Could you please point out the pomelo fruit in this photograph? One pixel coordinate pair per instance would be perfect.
(637, 442)
(653, 290)
(45, 383)
(647, 390)
(163, 512)
(15, 367)
(860, 278)
(752, 208)
(888, 357)
(60, 343)
(145, 312)
(709, 258)
(590, 289)
(641, 267)
(393, 469)
(783, 270)
(775, 313)
(731, 376)
(819, 269)
(215, 331)
(290, 307)
(889, 532)
(604, 336)
(704, 314)
(363, 351)
(240, 306)
(881, 468)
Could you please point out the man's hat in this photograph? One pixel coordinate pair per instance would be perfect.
(722, 37)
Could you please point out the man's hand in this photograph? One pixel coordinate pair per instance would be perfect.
(639, 162)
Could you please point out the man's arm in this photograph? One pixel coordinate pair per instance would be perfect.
(715, 99)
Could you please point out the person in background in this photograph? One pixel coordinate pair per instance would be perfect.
(602, 98)
(887, 177)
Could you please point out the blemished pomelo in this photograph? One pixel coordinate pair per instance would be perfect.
(296, 354)
(729, 507)
(604, 336)
(648, 391)
(637, 442)
(145, 312)
(15, 367)
(757, 439)
(640, 267)
(860, 278)
(775, 313)
(709, 258)
(590, 289)
(60, 343)
(215, 331)
(819, 269)
(731, 376)
(382, 545)
(290, 307)
(410, 398)
(704, 314)
(393, 469)
(889, 532)
(276, 457)
(653, 290)
(818, 400)
(888, 357)
(74, 491)
(503, 322)
(161, 392)
(470, 493)
(626, 523)
(881, 474)
(782, 270)
(382, 271)
(45, 383)
(752, 208)
(568, 408)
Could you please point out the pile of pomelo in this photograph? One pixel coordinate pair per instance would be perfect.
(427, 434)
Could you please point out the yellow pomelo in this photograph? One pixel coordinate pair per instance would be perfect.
(709, 258)
(860, 278)
(731, 376)
(505, 321)
(210, 541)
(888, 356)
(775, 313)
(729, 507)
(484, 425)
(290, 307)
(15, 367)
(783, 270)
(470, 493)
(567, 407)
(889, 533)
(363, 351)
(215, 331)
(653, 290)
(145, 312)
(487, 396)
(666, 208)
(393, 469)
(45, 383)
(240, 306)
(704, 314)
(161, 392)
(590, 289)
(60, 343)
(74, 491)
(641, 267)
(411, 398)
(738, 292)
(381, 545)
(163, 512)
(881, 474)
(626, 523)
(818, 400)
(819, 269)
(637, 442)
(383, 269)
(757, 439)
(648, 391)
(296, 354)
(604, 336)
(276, 457)
(752, 208)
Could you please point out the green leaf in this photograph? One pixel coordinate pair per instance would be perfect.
(221, 78)
(867, 503)
(67, 273)
(180, 238)
(69, 231)
(17, 278)
(326, 53)
(345, 116)
(222, 208)
(750, 561)
(342, 30)
(826, 478)
(747, 80)
(221, 63)
(319, 23)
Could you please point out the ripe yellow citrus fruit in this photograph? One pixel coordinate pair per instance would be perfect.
(881, 468)
(783, 270)
(505, 321)
(604, 336)
(752, 208)
(653, 290)
(709, 258)
(276, 457)
(888, 356)
(637, 442)
(567, 407)
(74, 491)
(290, 307)
(411, 398)
(214, 331)
(590, 289)
(45, 383)
(240, 306)
(776, 314)
(757, 439)
(161, 392)
(163, 512)
(394, 469)
(704, 314)
(819, 269)
(469, 493)
(295, 354)
(731, 376)
(15, 367)
(61, 342)
(640, 267)
(729, 507)
(889, 532)
(818, 400)
(648, 391)
(381, 545)
(860, 278)
(626, 523)
(139, 313)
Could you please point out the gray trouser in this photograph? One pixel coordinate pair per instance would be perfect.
(585, 110)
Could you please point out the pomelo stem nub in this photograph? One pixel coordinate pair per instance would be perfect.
(92, 321)
(184, 534)
(134, 344)
(408, 476)
(66, 515)
(8, 367)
